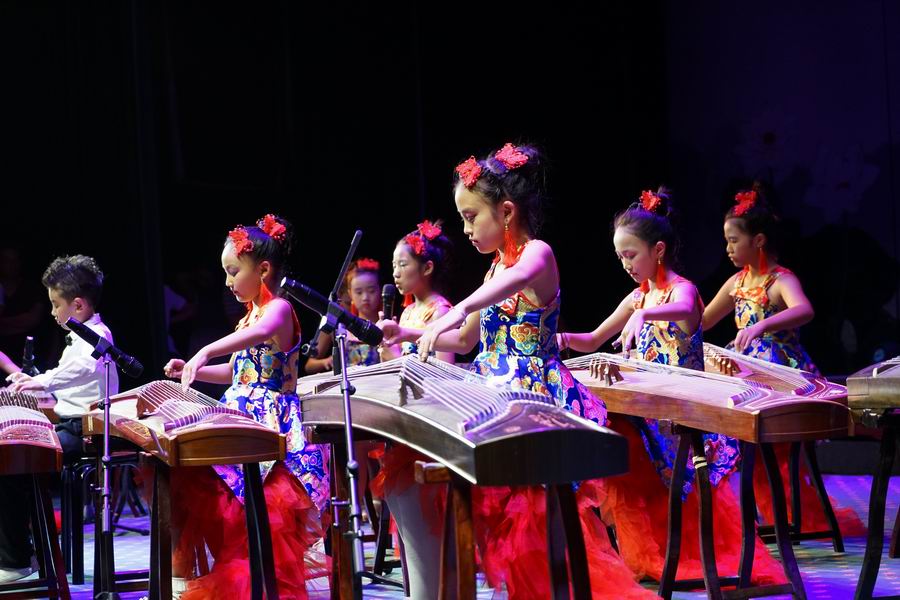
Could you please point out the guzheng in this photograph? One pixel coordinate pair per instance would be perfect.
(875, 388)
(183, 427)
(487, 435)
(780, 378)
(28, 442)
(745, 409)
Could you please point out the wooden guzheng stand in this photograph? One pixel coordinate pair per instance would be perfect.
(478, 435)
(785, 379)
(29, 446)
(181, 427)
(874, 396)
(695, 403)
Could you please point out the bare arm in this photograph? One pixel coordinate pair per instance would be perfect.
(613, 324)
(445, 335)
(721, 306)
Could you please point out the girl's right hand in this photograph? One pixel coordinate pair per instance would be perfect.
(390, 329)
(173, 368)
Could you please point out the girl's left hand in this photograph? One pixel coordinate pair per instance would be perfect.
(632, 330)
(746, 336)
(191, 367)
(451, 320)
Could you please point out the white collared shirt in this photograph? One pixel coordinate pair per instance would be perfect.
(80, 379)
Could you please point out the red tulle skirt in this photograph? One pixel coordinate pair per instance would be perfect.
(812, 514)
(206, 511)
(511, 532)
(638, 504)
(398, 474)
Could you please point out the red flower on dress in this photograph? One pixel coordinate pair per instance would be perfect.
(271, 227)
(745, 201)
(241, 241)
(469, 171)
(511, 157)
(416, 243)
(367, 264)
(650, 200)
(428, 230)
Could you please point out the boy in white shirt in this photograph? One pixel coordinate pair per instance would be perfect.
(74, 285)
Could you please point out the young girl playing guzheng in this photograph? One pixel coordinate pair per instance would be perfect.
(769, 306)
(420, 262)
(661, 320)
(513, 316)
(207, 505)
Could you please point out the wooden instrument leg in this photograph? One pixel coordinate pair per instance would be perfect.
(341, 558)
(796, 504)
(877, 499)
(262, 563)
(49, 555)
(673, 543)
(458, 544)
(160, 535)
(812, 462)
(707, 546)
(782, 532)
(563, 522)
(748, 514)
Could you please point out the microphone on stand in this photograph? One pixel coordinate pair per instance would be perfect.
(388, 297)
(366, 331)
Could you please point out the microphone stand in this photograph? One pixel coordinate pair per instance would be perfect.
(107, 575)
(331, 325)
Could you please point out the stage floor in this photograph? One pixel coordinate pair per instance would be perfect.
(826, 575)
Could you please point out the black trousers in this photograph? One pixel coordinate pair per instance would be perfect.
(15, 501)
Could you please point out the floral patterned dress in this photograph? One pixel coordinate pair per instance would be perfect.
(752, 305)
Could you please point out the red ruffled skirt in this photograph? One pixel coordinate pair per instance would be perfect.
(811, 513)
(205, 510)
(638, 504)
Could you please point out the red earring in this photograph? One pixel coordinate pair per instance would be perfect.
(510, 251)
(645, 286)
(660, 274)
(763, 261)
(265, 294)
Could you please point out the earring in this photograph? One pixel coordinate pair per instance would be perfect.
(660, 274)
(265, 294)
(763, 261)
(510, 251)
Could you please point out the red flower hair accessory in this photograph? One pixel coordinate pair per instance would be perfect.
(650, 200)
(745, 201)
(469, 171)
(416, 243)
(428, 230)
(271, 227)
(511, 157)
(367, 264)
(241, 240)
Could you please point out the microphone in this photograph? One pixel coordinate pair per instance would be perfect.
(28, 357)
(388, 296)
(129, 364)
(366, 331)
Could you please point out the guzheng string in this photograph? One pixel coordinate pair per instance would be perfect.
(12, 415)
(23, 399)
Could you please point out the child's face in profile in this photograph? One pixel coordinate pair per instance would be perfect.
(739, 245)
(637, 256)
(241, 275)
(63, 309)
(410, 276)
(482, 224)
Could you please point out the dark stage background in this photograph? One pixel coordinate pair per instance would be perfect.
(141, 132)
